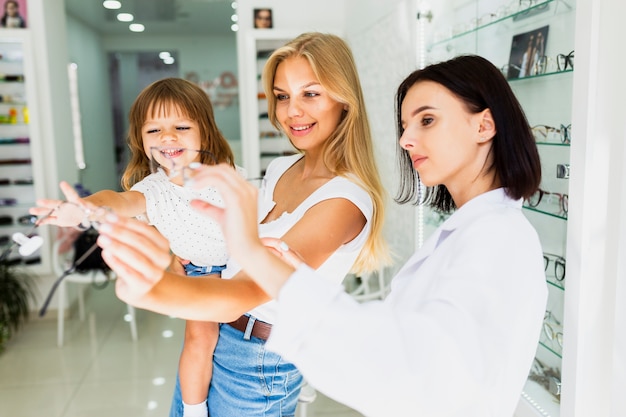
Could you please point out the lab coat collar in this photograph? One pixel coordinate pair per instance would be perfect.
(474, 208)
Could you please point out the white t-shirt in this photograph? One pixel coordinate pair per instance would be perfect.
(192, 235)
(337, 266)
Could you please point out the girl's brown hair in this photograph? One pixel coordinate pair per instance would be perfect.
(191, 101)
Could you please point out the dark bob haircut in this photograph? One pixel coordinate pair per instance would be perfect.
(480, 85)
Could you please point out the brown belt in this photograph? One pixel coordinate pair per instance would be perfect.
(260, 329)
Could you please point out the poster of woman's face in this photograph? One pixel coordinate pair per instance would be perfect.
(263, 18)
(528, 54)
(14, 14)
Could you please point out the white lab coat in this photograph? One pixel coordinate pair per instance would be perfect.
(455, 337)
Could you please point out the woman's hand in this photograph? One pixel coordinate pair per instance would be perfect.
(238, 217)
(137, 253)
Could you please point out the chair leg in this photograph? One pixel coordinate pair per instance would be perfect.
(133, 322)
(81, 304)
(61, 294)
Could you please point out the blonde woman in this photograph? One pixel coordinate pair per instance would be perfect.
(326, 202)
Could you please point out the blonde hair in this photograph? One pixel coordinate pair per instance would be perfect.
(192, 102)
(348, 152)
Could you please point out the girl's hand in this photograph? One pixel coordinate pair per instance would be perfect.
(58, 213)
(137, 253)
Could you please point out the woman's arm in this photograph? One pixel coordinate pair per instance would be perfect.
(130, 248)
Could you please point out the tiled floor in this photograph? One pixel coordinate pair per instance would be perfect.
(100, 371)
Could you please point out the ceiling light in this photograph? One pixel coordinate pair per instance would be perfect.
(234, 18)
(136, 27)
(234, 5)
(125, 17)
(169, 60)
(164, 54)
(234, 27)
(111, 4)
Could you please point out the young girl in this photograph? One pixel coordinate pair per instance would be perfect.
(173, 115)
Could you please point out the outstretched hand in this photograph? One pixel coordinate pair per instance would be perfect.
(238, 219)
(137, 253)
(49, 211)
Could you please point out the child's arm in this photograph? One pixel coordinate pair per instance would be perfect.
(124, 203)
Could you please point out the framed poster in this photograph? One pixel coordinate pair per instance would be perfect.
(528, 54)
(13, 14)
(263, 19)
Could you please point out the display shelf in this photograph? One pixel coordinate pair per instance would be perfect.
(261, 141)
(503, 33)
(547, 213)
(16, 160)
(490, 19)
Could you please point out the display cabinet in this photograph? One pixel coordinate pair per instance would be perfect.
(532, 42)
(19, 160)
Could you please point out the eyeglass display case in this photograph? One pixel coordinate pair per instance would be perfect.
(532, 42)
(19, 160)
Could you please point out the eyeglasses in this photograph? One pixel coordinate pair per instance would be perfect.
(565, 61)
(90, 218)
(178, 163)
(559, 265)
(552, 329)
(549, 378)
(544, 133)
(537, 197)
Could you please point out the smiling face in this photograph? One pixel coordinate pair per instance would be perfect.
(447, 144)
(168, 127)
(305, 109)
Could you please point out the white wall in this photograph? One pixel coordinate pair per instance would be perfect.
(383, 43)
(85, 49)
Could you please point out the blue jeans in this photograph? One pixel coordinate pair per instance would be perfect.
(248, 380)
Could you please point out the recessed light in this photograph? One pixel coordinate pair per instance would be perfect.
(234, 18)
(234, 27)
(164, 54)
(169, 60)
(136, 27)
(234, 5)
(125, 17)
(111, 4)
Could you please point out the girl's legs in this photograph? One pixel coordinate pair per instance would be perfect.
(195, 366)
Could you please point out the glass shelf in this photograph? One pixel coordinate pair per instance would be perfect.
(555, 285)
(553, 144)
(493, 22)
(547, 74)
(536, 210)
(550, 349)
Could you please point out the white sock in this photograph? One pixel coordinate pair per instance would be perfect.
(195, 410)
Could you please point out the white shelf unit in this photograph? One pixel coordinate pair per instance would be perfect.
(21, 156)
(260, 141)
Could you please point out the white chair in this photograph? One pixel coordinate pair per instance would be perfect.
(60, 263)
(306, 397)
